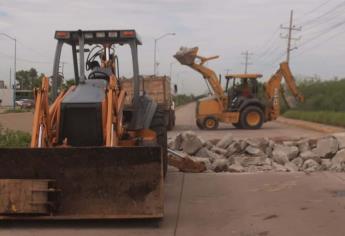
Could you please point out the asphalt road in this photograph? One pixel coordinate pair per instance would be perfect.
(185, 120)
(225, 204)
(261, 204)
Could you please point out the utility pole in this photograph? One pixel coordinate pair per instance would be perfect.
(289, 37)
(246, 63)
(9, 86)
(15, 67)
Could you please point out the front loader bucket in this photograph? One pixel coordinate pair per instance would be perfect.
(186, 56)
(81, 183)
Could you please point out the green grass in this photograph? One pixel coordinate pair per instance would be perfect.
(10, 138)
(323, 117)
(182, 99)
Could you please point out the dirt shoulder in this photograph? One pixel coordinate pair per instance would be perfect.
(17, 121)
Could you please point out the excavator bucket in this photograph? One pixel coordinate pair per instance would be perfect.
(81, 183)
(186, 56)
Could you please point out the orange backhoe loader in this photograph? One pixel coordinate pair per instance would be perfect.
(90, 158)
(239, 103)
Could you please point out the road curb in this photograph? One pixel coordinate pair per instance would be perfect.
(311, 125)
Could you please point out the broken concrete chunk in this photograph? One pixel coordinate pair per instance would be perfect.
(326, 164)
(187, 164)
(219, 151)
(326, 147)
(310, 155)
(236, 168)
(220, 165)
(254, 151)
(283, 154)
(278, 167)
(234, 148)
(191, 142)
(338, 161)
(303, 145)
(310, 166)
(203, 152)
(253, 161)
(225, 141)
(298, 162)
(341, 139)
(291, 167)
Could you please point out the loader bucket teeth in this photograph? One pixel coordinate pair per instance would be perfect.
(186, 56)
(93, 182)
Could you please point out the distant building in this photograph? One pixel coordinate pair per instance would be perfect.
(2, 84)
(6, 97)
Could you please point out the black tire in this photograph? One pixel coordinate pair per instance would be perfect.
(158, 126)
(171, 120)
(210, 123)
(237, 125)
(199, 124)
(254, 123)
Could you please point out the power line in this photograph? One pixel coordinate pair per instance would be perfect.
(325, 31)
(322, 42)
(314, 9)
(320, 17)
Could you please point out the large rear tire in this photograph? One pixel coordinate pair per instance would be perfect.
(199, 124)
(159, 127)
(252, 117)
(237, 125)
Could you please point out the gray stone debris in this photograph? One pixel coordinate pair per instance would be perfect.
(234, 148)
(310, 166)
(225, 141)
(326, 147)
(253, 161)
(203, 152)
(341, 139)
(338, 161)
(220, 165)
(252, 150)
(260, 154)
(191, 143)
(283, 154)
(310, 155)
(278, 167)
(236, 168)
(219, 151)
(298, 162)
(291, 167)
(303, 145)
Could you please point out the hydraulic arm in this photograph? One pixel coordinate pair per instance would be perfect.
(187, 56)
(273, 87)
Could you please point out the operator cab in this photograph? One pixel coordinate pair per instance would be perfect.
(81, 107)
(240, 87)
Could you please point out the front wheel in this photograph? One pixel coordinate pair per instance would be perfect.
(252, 117)
(210, 123)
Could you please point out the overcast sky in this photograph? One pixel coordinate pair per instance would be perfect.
(219, 27)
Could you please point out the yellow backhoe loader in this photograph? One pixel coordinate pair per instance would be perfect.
(90, 158)
(239, 103)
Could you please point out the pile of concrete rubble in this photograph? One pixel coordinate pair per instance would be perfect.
(257, 155)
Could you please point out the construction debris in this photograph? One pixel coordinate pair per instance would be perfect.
(257, 155)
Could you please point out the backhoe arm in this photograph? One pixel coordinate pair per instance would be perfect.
(273, 87)
(187, 56)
